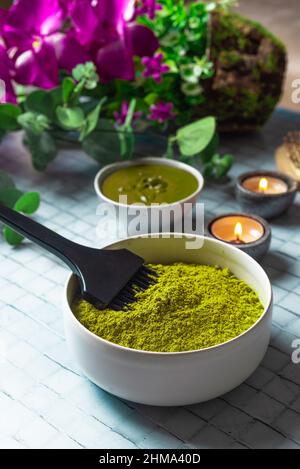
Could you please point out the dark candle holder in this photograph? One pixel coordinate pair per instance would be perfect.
(257, 247)
(263, 204)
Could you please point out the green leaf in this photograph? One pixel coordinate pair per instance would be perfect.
(126, 143)
(11, 237)
(170, 148)
(5, 180)
(211, 149)
(78, 72)
(53, 100)
(36, 102)
(130, 113)
(151, 98)
(86, 75)
(194, 138)
(70, 118)
(208, 170)
(13, 198)
(103, 144)
(68, 86)
(9, 196)
(223, 165)
(28, 203)
(42, 148)
(218, 166)
(33, 122)
(8, 117)
(91, 120)
(228, 160)
(44, 102)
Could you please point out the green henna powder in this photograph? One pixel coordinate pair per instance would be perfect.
(189, 308)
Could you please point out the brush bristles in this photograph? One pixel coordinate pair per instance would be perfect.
(142, 280)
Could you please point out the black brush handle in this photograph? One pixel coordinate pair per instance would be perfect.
(61, 247)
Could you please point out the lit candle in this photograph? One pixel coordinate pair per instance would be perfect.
(238, 232)
(237, 229)
(265, 185)
(265, 193)
(249, 233)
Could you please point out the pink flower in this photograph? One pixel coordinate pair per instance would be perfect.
(154, 67)
(98, 30)
(120, 116)
(5, 77)
(105, 28)
(35, 43)
(161, 112)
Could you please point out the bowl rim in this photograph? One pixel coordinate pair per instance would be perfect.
(108, 169)
(99, 339)
(291, 183)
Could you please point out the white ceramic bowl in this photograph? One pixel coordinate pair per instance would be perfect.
(161, 212)
(177, 378)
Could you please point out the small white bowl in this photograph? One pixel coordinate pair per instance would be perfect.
(159, 212)
(177, 378)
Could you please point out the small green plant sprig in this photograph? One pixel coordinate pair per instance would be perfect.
(199, 141)
(184, 33)
(12, 197)
(182, 29)
(80, 111)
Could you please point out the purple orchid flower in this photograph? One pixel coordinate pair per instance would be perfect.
(22, 24)
(120, 116)
(161, 112)
(104, 27)
(35, 44)
(154, 67)
(65, 6)
(3, 16)
(5, 77)
(148, 7)
(100, 21)
(84, 19)
(68, 51)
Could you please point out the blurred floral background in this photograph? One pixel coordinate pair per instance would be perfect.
(107, 75)
(280, 17)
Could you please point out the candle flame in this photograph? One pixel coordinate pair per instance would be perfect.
(263, 185)
(238, 231)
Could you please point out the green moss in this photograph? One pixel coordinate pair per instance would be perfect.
(230, 92)
(250, 102)
(271, 63)
(235, 27)
(189, 308)
(247, 104)
(228, 30)
(229, 58)
(249, 66)
(256, 73)
(264, 32)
